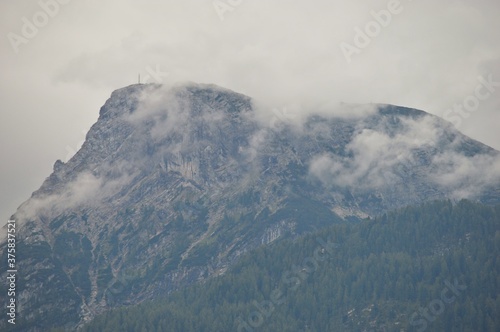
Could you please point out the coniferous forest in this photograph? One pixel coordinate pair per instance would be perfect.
(434, 267)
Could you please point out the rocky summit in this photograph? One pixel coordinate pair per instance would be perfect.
(173, 184)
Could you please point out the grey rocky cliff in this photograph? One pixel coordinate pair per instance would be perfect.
(172, 185)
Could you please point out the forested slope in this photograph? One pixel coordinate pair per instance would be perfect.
(434, 267)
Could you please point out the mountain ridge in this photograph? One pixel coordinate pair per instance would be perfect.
(172, 185)
(371, 276)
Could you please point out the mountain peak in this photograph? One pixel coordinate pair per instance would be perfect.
(173, 184)
(401, 110)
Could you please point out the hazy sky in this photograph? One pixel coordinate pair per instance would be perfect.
(62, 59)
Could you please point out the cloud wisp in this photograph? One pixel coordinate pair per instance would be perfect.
(374, 159)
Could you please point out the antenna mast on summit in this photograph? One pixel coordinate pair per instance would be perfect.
(139, 78)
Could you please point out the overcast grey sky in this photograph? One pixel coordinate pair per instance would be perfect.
(61, 59)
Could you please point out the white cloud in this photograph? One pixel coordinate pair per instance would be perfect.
(466, 177)
(374, 156)
(373, 153)
(86, 189)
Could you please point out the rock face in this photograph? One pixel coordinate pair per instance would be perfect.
(172, 185)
